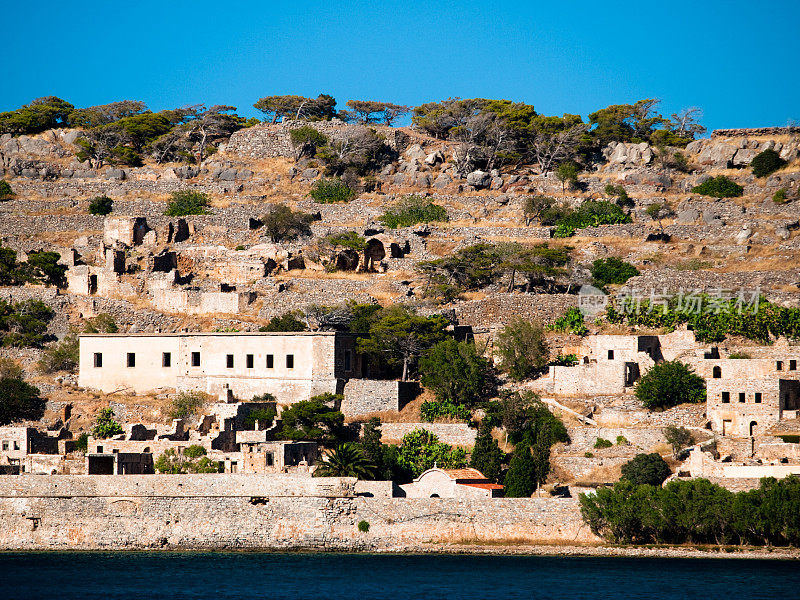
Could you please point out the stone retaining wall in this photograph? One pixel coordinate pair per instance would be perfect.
(38, 514)
(456, 434)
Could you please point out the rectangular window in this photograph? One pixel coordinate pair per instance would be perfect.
(166, 359)
(98, 360)
(229, 361)
(270, 361)
(5, 444)
(249, 361)
(726, 397)
(195, 359)
(793, 365)
(348, 360)
(99, 449)
(779, 365)
(741, 397)
(610, 355)
(290, 361)
(758, 397)
(131, 359)
(16, 445)
(270, 459)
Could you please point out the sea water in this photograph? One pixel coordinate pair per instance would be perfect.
(222, 575)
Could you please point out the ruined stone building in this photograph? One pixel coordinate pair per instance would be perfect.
(746, 397)
(291, 366)
(612, 364)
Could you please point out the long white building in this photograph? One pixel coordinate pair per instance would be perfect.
(291, 366)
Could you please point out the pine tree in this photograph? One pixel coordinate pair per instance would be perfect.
(487, 456)
(520, 480)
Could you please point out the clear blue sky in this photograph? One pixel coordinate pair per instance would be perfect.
(738, 60)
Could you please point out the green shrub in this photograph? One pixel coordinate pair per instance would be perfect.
(285, 323)
(62, 356)
(678, 438)
(101, 205)
(620, 194)
(602, 443)
(194, 451)
(646, 469)
(186, 202)
(622, 440)
(564, 360)
(328, 190)
(571, 322)
(306, 140)
(779, 197)
(430, 411)
(739, 355)
(10, 369)
(591, 213)
(669, 384)
(612, 270)
(363, 526)
(412, 210)
(588, 454)
(719, 187)
(24, 323)
(264, 416)
(19, 401)
(186, 404)
(6, 193)
(105, 425)
(82, 443)
(522, 348)
(102, 323)
(767, 162)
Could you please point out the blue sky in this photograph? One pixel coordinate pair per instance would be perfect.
(737, 60)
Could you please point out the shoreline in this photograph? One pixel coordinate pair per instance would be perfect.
(543, 550)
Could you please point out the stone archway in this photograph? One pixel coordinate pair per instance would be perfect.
(374, 253)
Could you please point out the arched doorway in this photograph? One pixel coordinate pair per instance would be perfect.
(717, 372)
(753, 426)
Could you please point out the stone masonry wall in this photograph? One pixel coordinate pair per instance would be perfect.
(225, 517)
(456, 434)
(364, 396)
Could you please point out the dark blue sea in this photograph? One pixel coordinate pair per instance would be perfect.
(186, 575)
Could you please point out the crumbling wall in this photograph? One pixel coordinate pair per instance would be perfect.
(364, 396)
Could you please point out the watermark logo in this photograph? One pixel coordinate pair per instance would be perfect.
(591, 300)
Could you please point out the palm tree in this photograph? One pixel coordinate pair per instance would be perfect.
(346, 460)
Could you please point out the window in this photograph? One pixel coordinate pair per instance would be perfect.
(726, 397)
(99, 449)
(131, 359)
(5, 444)
(779, 365)
(229, 361)
(717, 372)
(166, 359)
(348, 360)
(610, 355)
(270, 361)
(290, 361)
(758, 398)
(741, 397)
(270, 459)
(249, 361)
(98, 360)
(195, 359)
(16, 445)
(793, 365)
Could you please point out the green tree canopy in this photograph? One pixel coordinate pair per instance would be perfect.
(316, 419)
(522, 348)
(19, 401)
(421, 450)
(669, 384)
(346, 460)
(486, 455)
(646, 469)
(105, 426)
(455, 372)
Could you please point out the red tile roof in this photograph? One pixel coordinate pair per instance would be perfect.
(464, 473)
(484, 486)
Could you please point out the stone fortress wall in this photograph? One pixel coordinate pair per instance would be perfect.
(267, 512)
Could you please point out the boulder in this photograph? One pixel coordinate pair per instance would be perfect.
(115, 174)
(422, 180)
(688, 216)
(415, 151)
(434, 158)
(717, 155)
(479, 179)
(711, 218)
(227, 175)
(782, 231)
(186, 172)
(442, 181)
(743, 157)
(309, 173)
(497, 183)
(745, 234)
